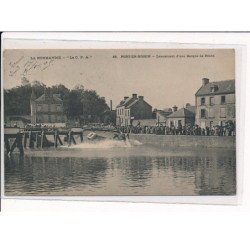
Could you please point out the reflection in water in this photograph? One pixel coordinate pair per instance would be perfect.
(149, 171)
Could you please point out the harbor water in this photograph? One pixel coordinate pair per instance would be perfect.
(119, 168)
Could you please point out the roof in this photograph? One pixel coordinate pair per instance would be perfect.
(49, 98)
(183, 112)
(126, 102)
(163, 113)
(136, 101)
(224, 87)
(132, 103)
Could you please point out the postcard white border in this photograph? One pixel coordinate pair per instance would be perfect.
(140, 40)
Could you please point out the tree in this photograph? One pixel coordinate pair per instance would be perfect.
(93, 106)
(77, 102)
(17, 99)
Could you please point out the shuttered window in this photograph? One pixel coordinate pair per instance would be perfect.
(211, 113)
(223, 112)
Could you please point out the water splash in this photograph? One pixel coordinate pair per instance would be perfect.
(107, 144)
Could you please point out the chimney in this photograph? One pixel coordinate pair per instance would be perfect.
(125, 98)
(175, 108)
(205, 81)
(140, 97)
(134, 95)
(111, 108)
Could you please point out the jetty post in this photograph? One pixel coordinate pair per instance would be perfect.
(55, 138)
(69, 138)
(42, 139)
(18, 143)
(36, 140)
(30, 139)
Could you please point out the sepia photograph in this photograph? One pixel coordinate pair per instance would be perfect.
(119, 122)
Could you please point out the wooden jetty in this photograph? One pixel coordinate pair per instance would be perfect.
(21, 139)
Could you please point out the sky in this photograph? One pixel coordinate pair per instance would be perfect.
(165, 77)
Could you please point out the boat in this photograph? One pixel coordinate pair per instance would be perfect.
(97, 136)
(91, 135)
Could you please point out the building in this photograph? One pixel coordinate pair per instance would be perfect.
(48, 108)
(174, 117)
(132, 108)
(162, 116)
(215, 103)
(181, 117)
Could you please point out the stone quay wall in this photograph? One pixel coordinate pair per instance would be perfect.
(186, 140)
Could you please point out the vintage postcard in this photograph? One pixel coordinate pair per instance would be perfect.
(120, 122)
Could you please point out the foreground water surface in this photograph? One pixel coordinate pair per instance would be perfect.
(114, 168)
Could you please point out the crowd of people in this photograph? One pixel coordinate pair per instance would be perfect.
(226, 130)
(39, 126)
(229, 129)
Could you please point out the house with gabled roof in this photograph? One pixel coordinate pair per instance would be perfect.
(48, 108)
(176, 117)
(132, 108)
(181, 117)
(215, 103)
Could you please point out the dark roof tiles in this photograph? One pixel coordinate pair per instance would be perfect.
(224, 87)
(52, 98)
(183, 112)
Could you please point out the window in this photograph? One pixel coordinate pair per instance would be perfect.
(203, 113)
(211, 124)
(223, 112)
(203, 100)
(129, 112)
(231, 111)
(211, 101)
(58, 108)
(39, 107)
(213, 88)
(211, 113)
(223, 99)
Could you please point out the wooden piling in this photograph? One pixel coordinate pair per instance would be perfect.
(42, 139)
(73, 139)
(59, 139)
(25, 139)
(19, 143)
(13, 146)
(55, 138)
(36, 141)
(7, 144)
(81, 137)
(30, 139)
(69, 138)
